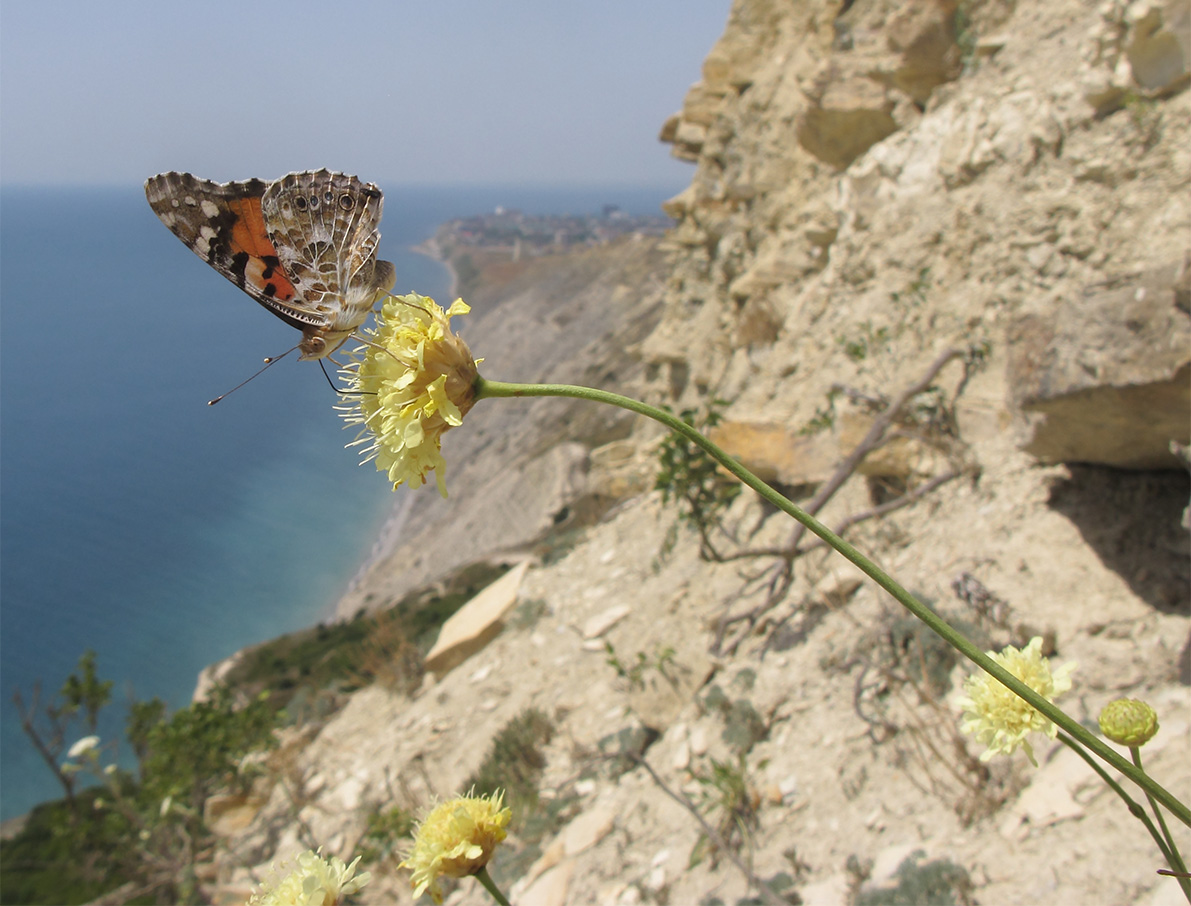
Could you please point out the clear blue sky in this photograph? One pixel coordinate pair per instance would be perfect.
(454, 91)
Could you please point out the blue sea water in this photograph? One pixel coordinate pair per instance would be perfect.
(137, 521)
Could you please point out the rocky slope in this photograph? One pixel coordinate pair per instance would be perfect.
(875, 184)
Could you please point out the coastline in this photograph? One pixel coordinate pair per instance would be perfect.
(388, 537)
(431, 248)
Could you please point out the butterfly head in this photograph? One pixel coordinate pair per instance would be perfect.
(318, 344)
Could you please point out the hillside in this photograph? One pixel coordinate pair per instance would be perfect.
(987, 201)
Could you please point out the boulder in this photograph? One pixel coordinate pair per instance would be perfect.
(476, 623)
(1105, 376)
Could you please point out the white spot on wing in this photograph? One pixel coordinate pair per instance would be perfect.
(209, 208)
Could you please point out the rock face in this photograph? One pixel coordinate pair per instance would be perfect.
(1109, 371)
(875, 182)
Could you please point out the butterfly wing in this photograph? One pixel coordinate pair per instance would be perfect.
(222, 224)
(315, 270)
(325, 228)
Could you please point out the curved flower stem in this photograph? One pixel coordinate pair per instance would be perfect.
(486, 389)
(1165, 843)
(1174, 857)
(489, 885)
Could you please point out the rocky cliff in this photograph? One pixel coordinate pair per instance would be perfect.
(934, 259)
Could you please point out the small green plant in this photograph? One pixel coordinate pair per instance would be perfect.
(514, 763)
(662, 660)
(915, 291)
(528, 613)
(146, 828)
(729, 804)
(824, 417)
(387, 832)
(690, 476)
(858, 348)
(965, 35)
(939, 882)
(744, 726)
(1146, 116)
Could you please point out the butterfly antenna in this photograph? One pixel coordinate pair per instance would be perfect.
(268, 361)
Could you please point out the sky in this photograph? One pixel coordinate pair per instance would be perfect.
(541, 92)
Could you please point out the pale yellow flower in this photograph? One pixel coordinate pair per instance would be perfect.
(314, 881)
(456, 840)
(1129, 722)
(999, 718)
(411, 382)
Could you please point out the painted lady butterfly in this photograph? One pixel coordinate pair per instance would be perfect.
(304, 246)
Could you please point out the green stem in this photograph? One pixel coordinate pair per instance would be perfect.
(1169, 851)
(1173, 857)
(486, 389)
(489, 885)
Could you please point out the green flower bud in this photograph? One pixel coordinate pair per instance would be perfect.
(1129, 722)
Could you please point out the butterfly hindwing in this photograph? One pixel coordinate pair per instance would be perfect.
(325, 228)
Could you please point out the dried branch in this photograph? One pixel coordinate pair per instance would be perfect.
(713, 835)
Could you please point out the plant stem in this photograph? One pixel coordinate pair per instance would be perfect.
(1166, 845)
(1173, 856)
(486, 389)
(489, 885)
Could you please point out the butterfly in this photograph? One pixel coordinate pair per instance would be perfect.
(304, 246)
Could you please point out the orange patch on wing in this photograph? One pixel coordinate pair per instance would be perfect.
(250, 236)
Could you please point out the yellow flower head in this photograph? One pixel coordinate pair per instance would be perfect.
(1128, 722)
(315, 881)
(414, 381)
(997, 716)
(456, 840)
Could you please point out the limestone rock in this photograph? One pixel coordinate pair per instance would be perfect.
(621, 469)
(1138, 50)
(784, 454)
(599, 624)
(1159, 46)
(476, 623)
(850, 116)
(923, 37)
(778, 453)
(228, 813)
(1001, 191)
(1107, 373)
(549, 888)
(214, 674)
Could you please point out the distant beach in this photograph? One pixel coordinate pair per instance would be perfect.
(432, 249)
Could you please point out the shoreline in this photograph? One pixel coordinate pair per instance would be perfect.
(388, 536)
(430, 248)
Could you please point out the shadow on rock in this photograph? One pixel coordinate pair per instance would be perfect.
(1132, 520)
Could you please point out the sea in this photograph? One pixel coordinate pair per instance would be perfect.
(138, 522)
